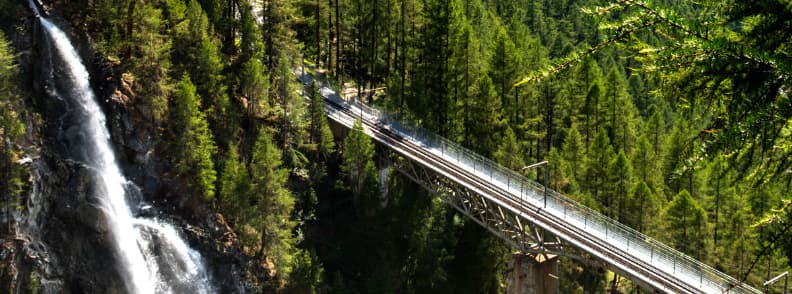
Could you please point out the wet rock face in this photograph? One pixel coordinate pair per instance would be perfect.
(72, 230)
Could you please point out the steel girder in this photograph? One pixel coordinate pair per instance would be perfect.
(515, 230)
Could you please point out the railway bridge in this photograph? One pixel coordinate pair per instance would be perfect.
(533, 219)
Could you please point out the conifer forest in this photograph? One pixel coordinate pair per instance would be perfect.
(168, 146)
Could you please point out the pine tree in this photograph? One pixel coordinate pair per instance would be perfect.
(620, 182)
(686, 225)
(679, 170)
(600, 156)
(486, 119)
(11, 128)
(254, 87)
(308, 273)
(559, 178)
(251, 41)
(273, 204)
(504, 71)
(198, 54)
(647, 165)
(291, 119)
(319, 130)
(509, 153)
(594, 117)
(643, 206)
(150, 63)
(656, 130)
(621, 112)
(234, 189)
(721, 197)
(195, 142)
(358, 167)
(573, 152)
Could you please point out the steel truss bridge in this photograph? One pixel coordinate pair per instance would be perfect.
(522, 212)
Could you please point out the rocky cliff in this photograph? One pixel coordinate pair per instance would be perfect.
(61, 240)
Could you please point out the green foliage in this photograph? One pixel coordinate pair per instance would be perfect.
(194, 141)
(12, 128)
(307, 276)
(234, 188)
(647, 164)
(273, 206)
(358, 167)
(292, 118)
(150, 63)
(509, 154)
(486, 119)
(686, 225)
(597, 173)
(642, 208)
(731, 60)
(197, 52)
(254, 87)
(712, 78)
(620, 184)
(318, 129)
(573, 152)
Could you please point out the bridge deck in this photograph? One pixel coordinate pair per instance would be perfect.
(627, 251)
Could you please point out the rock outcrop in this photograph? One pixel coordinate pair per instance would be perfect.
(63, 238)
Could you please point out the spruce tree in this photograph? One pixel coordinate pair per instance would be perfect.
(234, 189)
(358, 167)
(274, 205)
(11, 128)
(198, 54)
(150, 64)
(319, 129)
(291, 119)
(195, 142)
(254, 87)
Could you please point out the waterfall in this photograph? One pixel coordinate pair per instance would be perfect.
(151, 255)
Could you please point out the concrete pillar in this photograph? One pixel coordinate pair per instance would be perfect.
(532, 274)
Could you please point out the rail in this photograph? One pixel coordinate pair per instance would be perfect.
(687, 269)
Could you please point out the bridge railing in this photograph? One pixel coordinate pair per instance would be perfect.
(531, 194)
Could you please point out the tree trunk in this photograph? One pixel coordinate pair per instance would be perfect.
(318, 33)
(373, 65)
(330, 36)
(338, 42)
(402, 62)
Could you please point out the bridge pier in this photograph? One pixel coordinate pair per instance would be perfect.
(532, 274)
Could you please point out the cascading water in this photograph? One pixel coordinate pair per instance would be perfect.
(151, 256)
